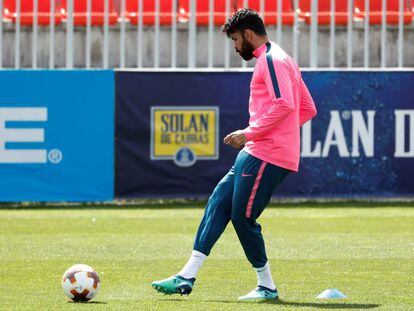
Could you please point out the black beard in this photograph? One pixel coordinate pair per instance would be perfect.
(246, 56)
(246, 51)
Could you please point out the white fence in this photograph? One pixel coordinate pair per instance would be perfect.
(186, 44)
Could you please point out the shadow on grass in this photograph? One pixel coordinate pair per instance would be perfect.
(292, 304)
(88, 302)
(321, 305)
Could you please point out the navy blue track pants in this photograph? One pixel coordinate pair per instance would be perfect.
(241, 196)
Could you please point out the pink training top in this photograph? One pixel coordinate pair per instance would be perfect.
(279, 105)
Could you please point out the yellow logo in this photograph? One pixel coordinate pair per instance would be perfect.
(184, 134)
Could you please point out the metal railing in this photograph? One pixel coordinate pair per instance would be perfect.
(124, 31)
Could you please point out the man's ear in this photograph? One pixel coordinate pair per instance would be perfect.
(248, 34)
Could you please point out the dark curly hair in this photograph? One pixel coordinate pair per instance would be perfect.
(242, 20)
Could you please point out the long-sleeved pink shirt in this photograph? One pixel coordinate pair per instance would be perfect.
(279, 105)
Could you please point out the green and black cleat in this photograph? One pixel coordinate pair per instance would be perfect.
(174, 285)
(261, 293)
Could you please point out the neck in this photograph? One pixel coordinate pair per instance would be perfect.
(260, 41)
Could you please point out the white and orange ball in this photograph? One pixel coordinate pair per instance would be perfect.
(80, 283)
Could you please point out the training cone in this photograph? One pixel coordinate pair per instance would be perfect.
(331, 293)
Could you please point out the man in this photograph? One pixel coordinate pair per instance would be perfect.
(279, 105)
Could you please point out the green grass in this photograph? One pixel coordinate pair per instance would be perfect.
(367, 253)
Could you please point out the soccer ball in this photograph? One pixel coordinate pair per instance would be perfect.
(80, 283)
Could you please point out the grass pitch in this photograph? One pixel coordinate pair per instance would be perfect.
(367, 253)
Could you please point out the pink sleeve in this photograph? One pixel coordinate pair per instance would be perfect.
(278, 80)
(307, 109)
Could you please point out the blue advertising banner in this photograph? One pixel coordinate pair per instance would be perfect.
(170, 127)
(56, 135)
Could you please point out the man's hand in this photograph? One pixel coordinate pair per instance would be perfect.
(235, 139)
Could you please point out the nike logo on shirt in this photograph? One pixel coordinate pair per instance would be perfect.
(246, 175)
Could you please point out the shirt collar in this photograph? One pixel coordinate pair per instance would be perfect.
(261, 49)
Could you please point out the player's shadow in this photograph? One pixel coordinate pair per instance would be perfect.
(88, 302)
(322, 305)
(294, 304)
